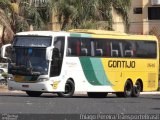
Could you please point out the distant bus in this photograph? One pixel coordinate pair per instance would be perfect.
(94, 61)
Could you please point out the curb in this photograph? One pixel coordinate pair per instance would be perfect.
(150, 93)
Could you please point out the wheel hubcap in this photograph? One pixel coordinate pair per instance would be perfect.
(138, 88)
(128, 89)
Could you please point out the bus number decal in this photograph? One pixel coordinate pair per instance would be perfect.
(151, 65)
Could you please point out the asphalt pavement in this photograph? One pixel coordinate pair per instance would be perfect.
(16, 105)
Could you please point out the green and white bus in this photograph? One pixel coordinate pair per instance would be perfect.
(93, 61)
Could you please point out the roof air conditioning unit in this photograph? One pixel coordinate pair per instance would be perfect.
(155, 2)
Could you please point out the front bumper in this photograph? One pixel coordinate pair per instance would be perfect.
(38, 86)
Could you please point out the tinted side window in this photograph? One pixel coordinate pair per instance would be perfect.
(79, 46)
(59, 44)
(85, 47)
(73, 48)
(128, 48)
(111, 48)
(146, 49)
(101, 47)
(116, 48)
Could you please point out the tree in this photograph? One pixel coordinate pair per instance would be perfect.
(122, 7)
(90, 13)
(5, 22)
(16, 16)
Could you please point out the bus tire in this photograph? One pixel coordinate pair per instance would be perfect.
(69, 89)
(97, 94)
(33, 93)
(137, 89)
(128, 88)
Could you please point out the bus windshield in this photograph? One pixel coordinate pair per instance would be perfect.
(29, 61)
(32, 41)
(29, 55)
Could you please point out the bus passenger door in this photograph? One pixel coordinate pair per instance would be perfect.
(57, 56)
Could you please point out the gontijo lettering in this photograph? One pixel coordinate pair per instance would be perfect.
(121, 64)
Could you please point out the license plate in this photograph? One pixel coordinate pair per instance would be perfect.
(25, 86)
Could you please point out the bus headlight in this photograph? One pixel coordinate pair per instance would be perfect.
(42, 79)
(10, 77)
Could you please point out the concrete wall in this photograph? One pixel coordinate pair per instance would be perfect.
(139, 22)
(136, 20)
(54, 25)
(117, 22)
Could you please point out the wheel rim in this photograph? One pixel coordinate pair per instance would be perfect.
(138, 87)
(128, 89)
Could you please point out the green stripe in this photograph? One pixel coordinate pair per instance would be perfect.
(80, 35)
(94, 71)
(88, 71)
(99, 71)
(75, 35)
(86, 35)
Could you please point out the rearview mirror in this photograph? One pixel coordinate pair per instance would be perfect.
(5, 50)
(49, 53)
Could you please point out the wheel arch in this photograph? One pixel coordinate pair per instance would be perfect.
(71, 80)
(129, 79)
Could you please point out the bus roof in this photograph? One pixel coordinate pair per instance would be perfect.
(98, 32)
(90, 33)
(112, 34)
(41, 33)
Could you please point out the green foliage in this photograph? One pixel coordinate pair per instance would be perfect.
(78, 13)
(18, 16)
(122, 7)
(69, 13)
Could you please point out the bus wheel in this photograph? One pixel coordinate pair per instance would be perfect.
(33, 93)
(127, 90)
(137, 89)
(69, 89)
(97, 94)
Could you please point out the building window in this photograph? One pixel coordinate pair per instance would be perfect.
(137, 10)
(153, 13)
